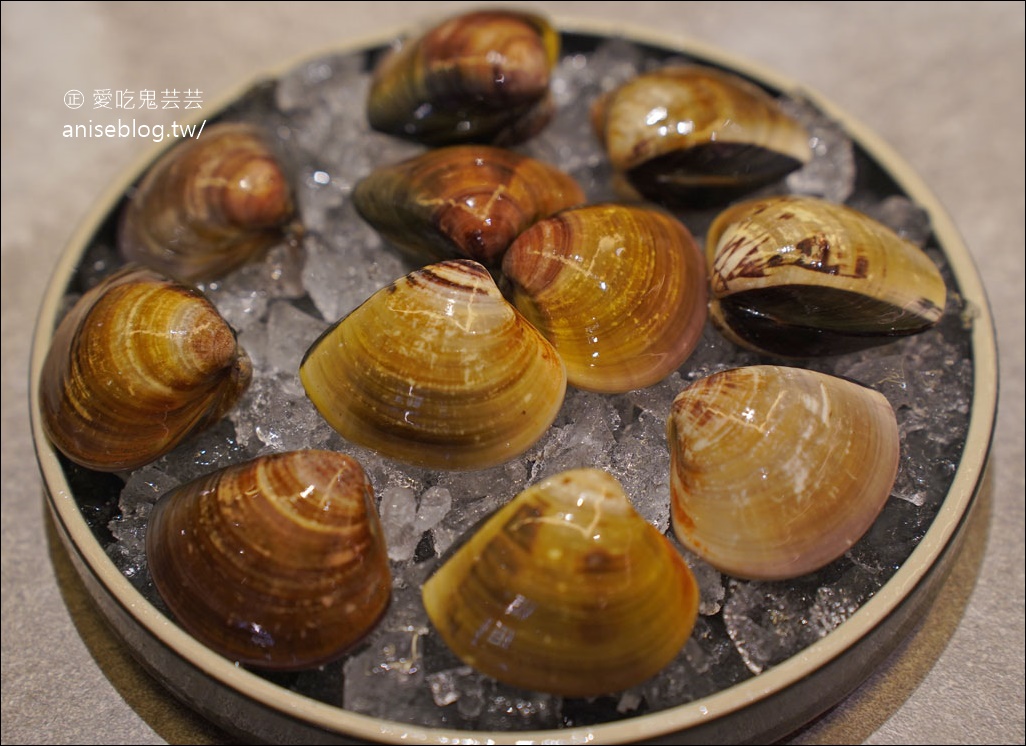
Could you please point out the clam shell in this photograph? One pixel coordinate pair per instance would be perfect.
(776, 471)
(695, 135)
(482, 76)
(278, 563)
(139, 364)
(208, 205)
(799, 276)
(437, 370)
(566, 590)
(619, 290)
(466, 201)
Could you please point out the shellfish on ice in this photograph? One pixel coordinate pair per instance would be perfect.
(437, 369)
(466, 201)
(566, 590)
(694, 135)
(778, 471)
(619, 290)
(208, 205)
(278, 563)
(140, 363)
(481, 76)
(799, 276)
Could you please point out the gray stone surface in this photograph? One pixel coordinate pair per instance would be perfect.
(942, 83)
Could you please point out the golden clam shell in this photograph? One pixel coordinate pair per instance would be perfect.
(798, 276)
(278, 563)
(437, 370)
(692, 134)
(776, 471)
(619, 290)
(208, 205)
(482, 76)
(567, 590)
(466, 201)
(138, 364)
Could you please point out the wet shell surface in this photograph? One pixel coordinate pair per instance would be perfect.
(799, 276)
(688, 134)
(567, 590)
(438, 370)
(777, 471)
(208, 205)
(481, 76)
(466, 201)
(619, 290)
(278, 563)
(139, 364)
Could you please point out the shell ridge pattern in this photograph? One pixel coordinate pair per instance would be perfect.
(480, 212)
(566, 520)
(575, 262)
(738, 258)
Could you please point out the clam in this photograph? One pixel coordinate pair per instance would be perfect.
(437, 369)
(139, 364)
(798, 276)
(619, 290)
(775, 472)
(482, 76)
(208, 205)
(688, 134)
(466, 201)
(277, 563)
(566, 590)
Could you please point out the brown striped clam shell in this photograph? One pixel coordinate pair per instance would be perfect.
(466, 201)
(139, 364)
(208, 205)
(799, 276)
(619, 290)
(695, 135)
(278, 563)
(566, 590)
(481, 76)
(438, 370)
(775, 471)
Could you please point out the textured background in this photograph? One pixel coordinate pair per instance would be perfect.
(942, 83)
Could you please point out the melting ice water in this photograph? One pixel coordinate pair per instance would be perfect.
(282, 304)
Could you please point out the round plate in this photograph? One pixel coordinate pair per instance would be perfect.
(761, 707)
